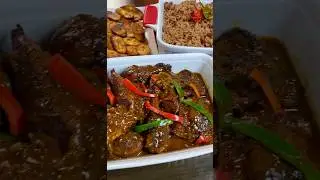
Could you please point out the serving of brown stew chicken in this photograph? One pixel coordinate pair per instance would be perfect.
(152, 110)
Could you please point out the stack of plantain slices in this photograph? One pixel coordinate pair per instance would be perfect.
(125, 33)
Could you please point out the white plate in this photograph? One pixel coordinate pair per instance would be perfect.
(195, 62)
(175, 48)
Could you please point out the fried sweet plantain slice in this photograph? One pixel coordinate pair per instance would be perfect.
(130, 12)
(110, 25)
(132, 50)
(133, 28)
(109, 44)
(119, 30)
(129, 7)
(125, 13)
(112, 53)
(129, 30)
(125, 21)
(137, 27)
(143, 49)
(113, 16)
(118, 44)
(139, 37)
(136, 13)
(131, 41)
(130, 34)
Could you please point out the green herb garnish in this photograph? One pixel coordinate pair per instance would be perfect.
(207, 11)
(189, 102)
(179, 89)
(222, 97)
(199, 108)
(153, 124)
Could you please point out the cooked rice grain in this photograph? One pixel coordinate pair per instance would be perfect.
(180, 29)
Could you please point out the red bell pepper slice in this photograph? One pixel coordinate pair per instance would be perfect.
(197, 15)
(110, 95)
(70, 78)
(164, 114)
(203, 139)
(13, 109)
(129, 85)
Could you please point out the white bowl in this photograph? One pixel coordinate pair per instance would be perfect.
(195, 62)
(170, 47)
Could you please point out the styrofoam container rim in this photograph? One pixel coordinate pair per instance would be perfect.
(195, 62)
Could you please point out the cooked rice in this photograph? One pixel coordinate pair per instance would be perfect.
(180, 29)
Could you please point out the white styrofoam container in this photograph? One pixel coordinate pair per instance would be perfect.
(294, 22)
(195, 62)
(170, 47)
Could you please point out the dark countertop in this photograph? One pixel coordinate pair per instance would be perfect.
(199, 168)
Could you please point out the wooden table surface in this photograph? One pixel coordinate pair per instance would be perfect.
(199, 168)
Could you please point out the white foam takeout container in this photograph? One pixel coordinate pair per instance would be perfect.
(170, 47)
(195, 62)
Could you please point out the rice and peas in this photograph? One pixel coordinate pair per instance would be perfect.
(179, 28)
